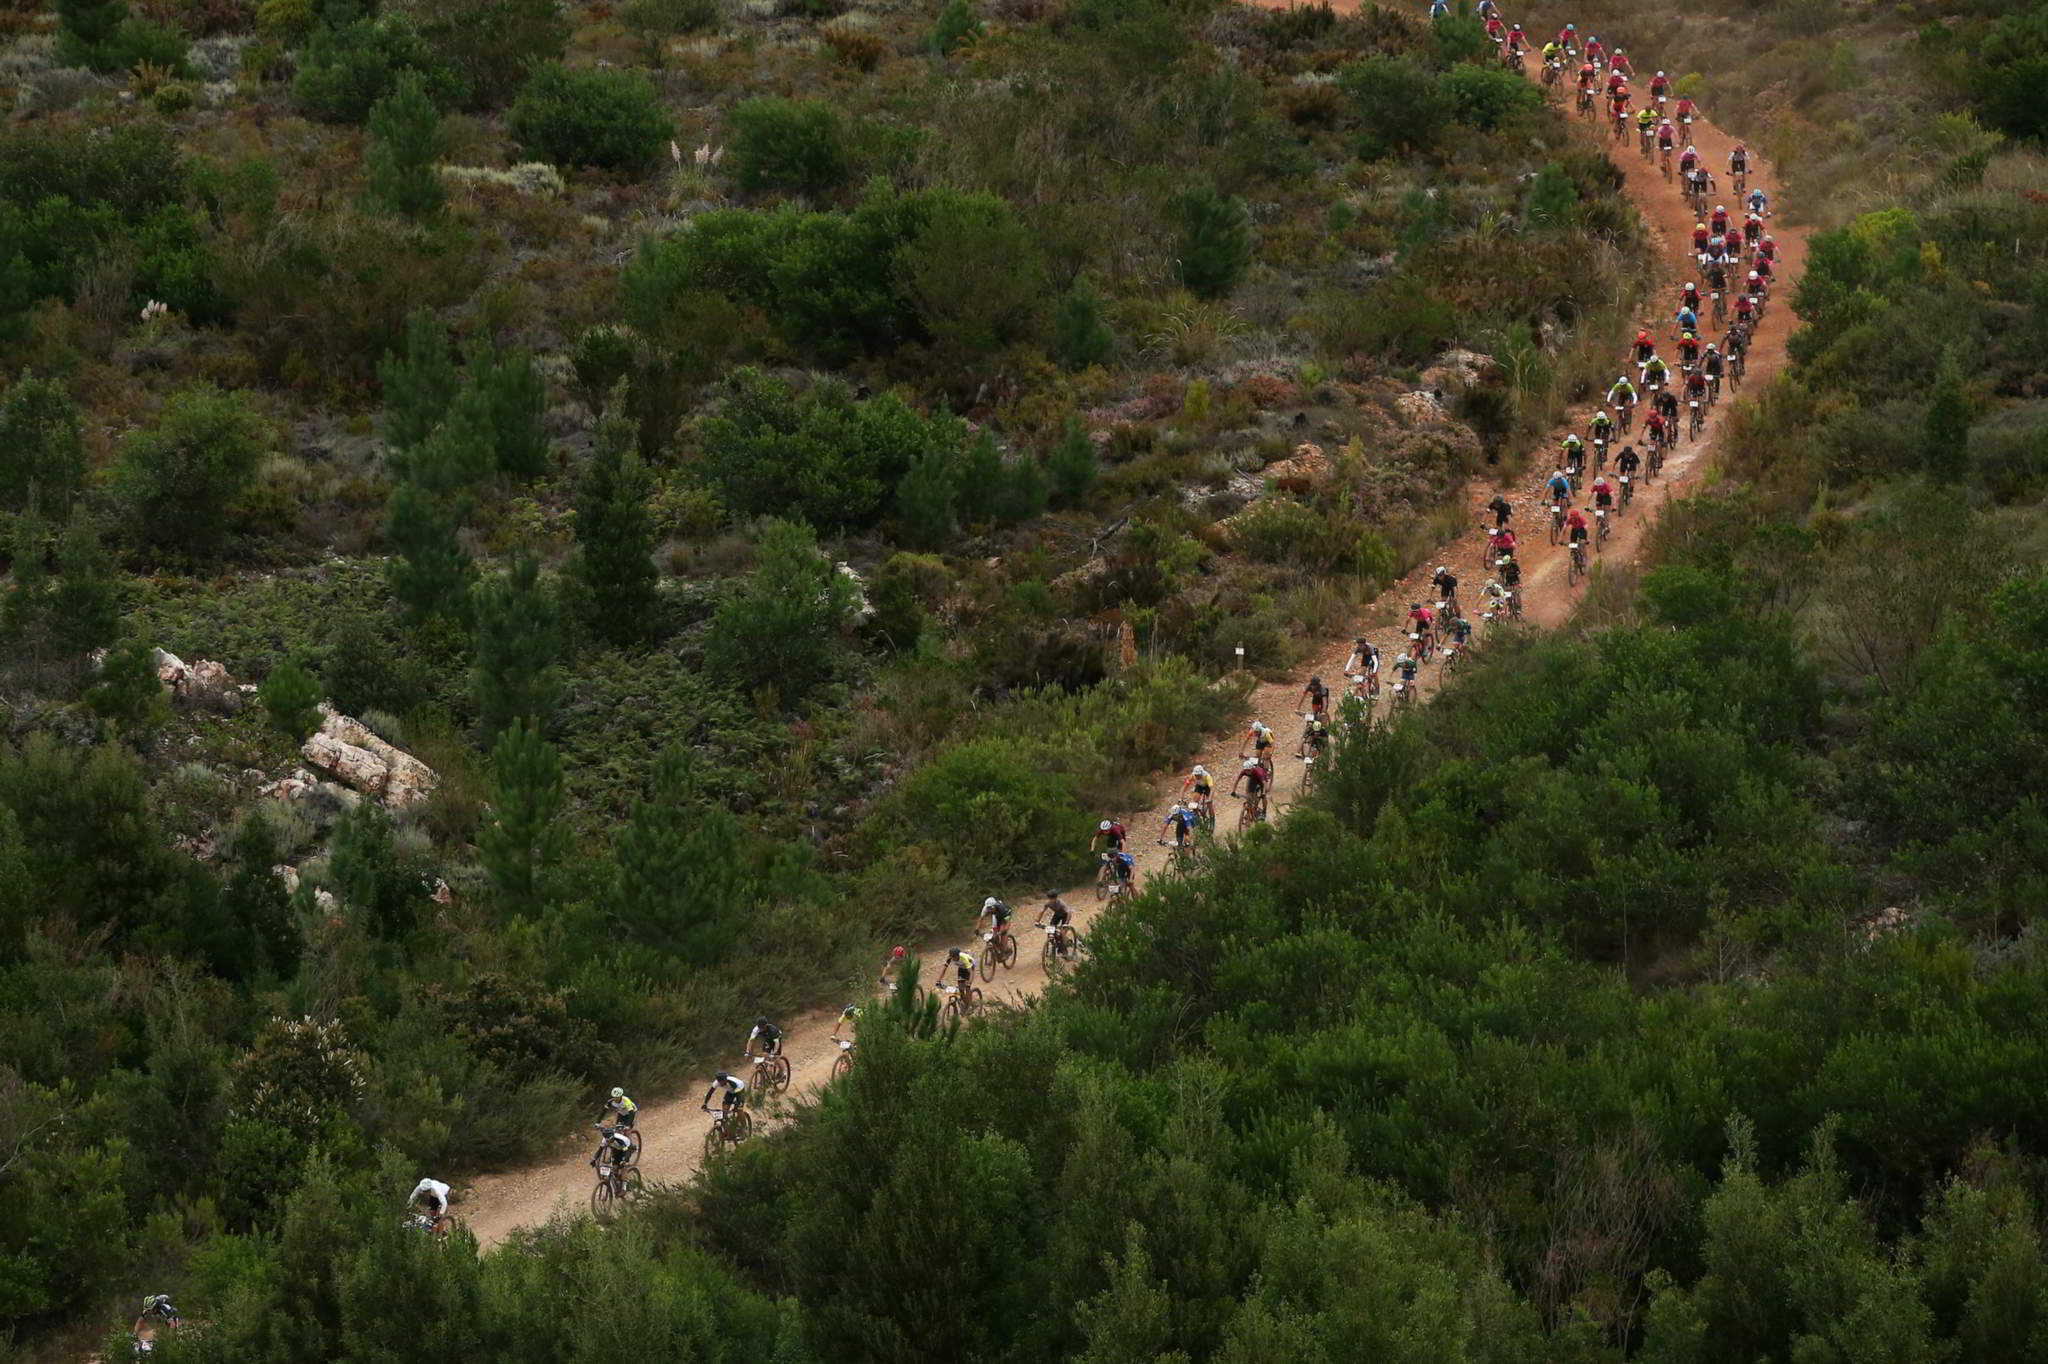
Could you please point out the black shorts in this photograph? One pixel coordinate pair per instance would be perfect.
(770, 1045)
(1062, 916)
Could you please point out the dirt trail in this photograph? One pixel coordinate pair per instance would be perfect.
(497, 1205)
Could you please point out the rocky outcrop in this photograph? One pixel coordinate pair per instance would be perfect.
(346, 749)
(1456, 369)
(204, 685)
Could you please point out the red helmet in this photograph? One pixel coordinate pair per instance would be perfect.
(898, 953)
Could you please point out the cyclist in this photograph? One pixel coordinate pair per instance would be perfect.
(1551, 53)
(1711, 364)
(1404, 668)
(1667, 137)
(1719, 220)
(735, 1088)
(1420, 619)
(1688, 350)
(995, 913)
(1588, 78)
(429, 1196)
(1316, 695)
(1056, 909)
(1660, 88)
(768, 1035)
(1575, 527)
(1199, 786)
(1654, 373)
(1738, 160)
(1568, 38)
(1686, 320)
(1622, 64)
(1689, 296)
(1616, 81)
(1768, 247)
(1124, 869)
(1623, 394)
(1252, 777)
(1758, 202)
(1494, 597)
(1571, 448)
(1667, 404)
(1645, 345)
(1260, 738)
(1701, 239)
(157, 1312)
(1315, 737)
(1518, 41)
(1559, 488)
(613, 1148)
(1496, 31)
(1601, 428)
(1603, 494)
(1696, 387)
(1501, 508)
(625, 1114)
(849, 1018)
(1618, 100)
(1687, 160)
(1627, 462)
(1699, 183)
(1511, 574)
(1501, 542)
(1108, 833)
(1180, 826)
(1364, 660)
(1686, 111)
(892, 963)
(1752, 230)
(1745, 309)
(1646, 123)
(1595, 52)
(1761, 268)
(1446, 584)
(1460, 632)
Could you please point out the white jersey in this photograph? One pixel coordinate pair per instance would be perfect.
(434, 1187)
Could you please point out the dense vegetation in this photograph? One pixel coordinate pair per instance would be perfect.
(781, 470)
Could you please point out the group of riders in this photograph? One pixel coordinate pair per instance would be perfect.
(1736, 263)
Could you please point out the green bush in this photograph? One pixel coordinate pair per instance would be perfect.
(1080, 336)
(800, 145)
(39, 431)
(665, 17)
(290, 696)
(783, 634)
(104, 35)
(1400, 105)
(998, 808)
(579, 116)
(180, 477)
(347, 67)
(492, 45)
(958, 25)
(1215, 241)
(1486, 97)
(405, 145)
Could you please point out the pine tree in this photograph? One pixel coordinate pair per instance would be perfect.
(291, 698)
(405, 141)
(782, 631)
(1072, 466)
(524, 844)
(366, 873)
(255, 900)
(86, 31)
(515, 397)
(1551, 200)
(418, 382)
(1215, 241)
(516, 628)
(924, 501)
(615, 540)
(25, 610)
(431, 571)
(129, 694)
(458, 454)
(1945, 434)
(41, 453)
(1026, 488)
(1080, 337)
(362, 671)
(957, 26)
(85, 610)
(981, 478)
(680, 882)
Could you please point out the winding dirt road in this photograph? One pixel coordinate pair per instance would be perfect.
(498, 1205)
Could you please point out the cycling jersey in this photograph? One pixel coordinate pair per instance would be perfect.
(434, 1190)
(767, 1034)
(623, 1108)
(733, 1085)
(1184, 819)
(1628, 461)
(999, 911)
(1559, 486)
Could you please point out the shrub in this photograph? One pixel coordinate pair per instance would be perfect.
(585, 117)
(493, 45)
(1080, 337)
(1000, 807)
(404, 145)
(1399, 105)
(290, 697)
(783, 633)
(1486, 97)
(346, 68)
(957, 26)
(103, 35)
(181, 476)
(43, 452)
(663, 17)
(1072, 465)
(798, 145)
(974, 274)
(1215, 241)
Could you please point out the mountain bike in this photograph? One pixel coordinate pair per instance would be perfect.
(432, 1224)
(960, 1003)
(1698, 420)
(1404, 693)
(1575, 567)
(1720, 309)
(1585, 103)
(844, 1062)
(1656, 464)
(1621, 127)
(1105, 876)
(1556, 520)
(999, 948)
(1628, 489)
(1664, 155)
(615, 1184)
(729, 1127)
(771, 1073)
(1308, 774)
(1060, 945)
(1253, 811)
(1599, 529)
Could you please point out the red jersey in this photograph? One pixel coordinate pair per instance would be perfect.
(1658, 85)
(1623, 64)
(1686, 108)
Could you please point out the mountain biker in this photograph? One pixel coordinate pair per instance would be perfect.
(1501, 508)
(1768, 246)
(1180, 825)
(1667, 404)
(1744, 309)
(1496, 31)
(849, 1017)
(1315, 737)
(1645, 345)
(1405, 666)
(1588, 78)
(1501, 541)
(735, 1090)
(1688, 350)
(1688, 159)
(613, 1148)
(1738, 160)
(1660, 87)
(1603, 494)
(1719, 220)
(156, 1311)
(1601, 427)
(893, 961)
(1056, 909)
(1618, 100)
(1559, 488)
(1575, 527)
(1696, 386)
(1627, 462)
(768, 1035)
(1420, 618)
(1445, 582)
(1667, 137)
(1654, 372)
(1551, 52)
(1200, 786)
(1511, 574)
(1687, 321)
(1364, 660)
(1596, 52)
(1622, 64)
(624, 1112)
(1494, 596)
(995, 913)
(1252, 776)
(1686, 109)
(1460, 631)
(1108, 833)
(1316, 695)
(1568, 37)
(1653, 429)
(1710, 363)
(1571, 448)
(1758, 202)
(1123, 868)
(433, 1194)
(1646, 119)
(1623, 394)
(1260, 738)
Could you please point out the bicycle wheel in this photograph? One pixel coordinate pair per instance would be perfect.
(1102, 883)
(635, 1183)
(987, 965)
(952, 1009)
(842, 1065)
(714, 1140)
(740, 1125)
(1049, 955)
(1244, 816)
(973, 998)
(1009, 945)
(778, 1078)
(601, 1201)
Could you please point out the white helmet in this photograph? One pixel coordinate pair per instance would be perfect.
(618, 1093)
(1104, 826)
(1660, 73)
(1260, 725)
(1720, 208)
(1201, 771)
(1249, 764)
(1179, 809)
(1754, 275)
(988, 904)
